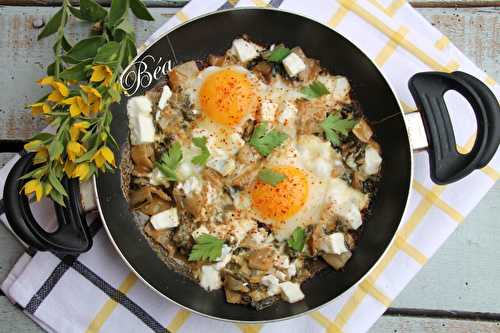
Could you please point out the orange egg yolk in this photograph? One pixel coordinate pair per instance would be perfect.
(227, 96)
(284, 200)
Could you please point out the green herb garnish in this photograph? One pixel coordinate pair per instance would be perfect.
(207, 247)
(277, 54)
(169, 161)
(202, 158)
(315, 90)
(298, 239)
(270, 177)
(265, 141)
(334, 126)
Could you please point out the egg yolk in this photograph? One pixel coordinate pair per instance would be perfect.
(227, 96)
(284, 200)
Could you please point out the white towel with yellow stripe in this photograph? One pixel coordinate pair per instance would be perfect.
(96, 292)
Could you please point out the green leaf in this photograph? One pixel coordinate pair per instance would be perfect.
(66, 45)
(57, 197)
(53, 24)
(108, 53)
(123, 30)
(207, 247)
(77, 72)
(87, 156)
(202, 158)
(315, 90)
(118, 11)
(52, 68)
(91, 11)
(84, 49)
(42, 136)
(76, 12)
(169, 161)
(277, 54)
(140, 11)
(56, 184)
(265, 141)
(55, 149)
(131, 52)
(298, 239)
(334, 126)
(270, 177)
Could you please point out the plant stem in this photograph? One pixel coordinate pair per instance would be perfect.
(60, 36)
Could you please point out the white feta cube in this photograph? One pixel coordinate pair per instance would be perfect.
(292, 269)
(166, 93)
(372, 161)
(268, 111)
(224, 166)
(282, 261)
(166, 219)
(334, 243)
(191, 185)
(199, 231)
(245, 50)
(272, 283)
(210, 278)
(224, 258)
(140, 120)
(291, 292)
(280, 275)
(293, 64)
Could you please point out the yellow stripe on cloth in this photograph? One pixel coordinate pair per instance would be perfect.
(368, 286)
(442, 43)
(440, 203)
(389, 10)
(489, 81)
(339, 15)
(410, 250)
(331, 326)
(382, 27)
(492, 173)
(349, 307)
(452, 66)
(259, 3)
(110, 305)
(389, 48)
(250, 328)
(179, 319)
(181, 16)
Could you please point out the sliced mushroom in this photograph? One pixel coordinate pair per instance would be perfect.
(233, 297)
(142, 156)
(162, 237)
(247, 155)
(182, 73)
(362, 131)
(215, 60)
(310, 115)
(150, 200)
(264, 70)
(262, 259)
(337, 261)
(234, 284)
(246, 176)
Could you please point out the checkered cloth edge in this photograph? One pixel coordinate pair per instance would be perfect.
(96, 292)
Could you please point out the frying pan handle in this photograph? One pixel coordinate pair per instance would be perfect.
(72, 235)
(447, 165)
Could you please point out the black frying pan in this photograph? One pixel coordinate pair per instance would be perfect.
(213, 33)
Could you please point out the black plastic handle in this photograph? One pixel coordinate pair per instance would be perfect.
(72, 235)
(447, 165)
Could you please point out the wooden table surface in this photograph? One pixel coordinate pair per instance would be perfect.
(459, 288)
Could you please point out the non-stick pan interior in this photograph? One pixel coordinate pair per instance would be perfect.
(214, 34)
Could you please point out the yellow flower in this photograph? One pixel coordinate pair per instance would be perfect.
(33, 146)
(74, 150)
(39, 108)
(69, 167)
(93, 98)
(81, 171)
(60, 89)
(77, 106)
(77, 128)
(104, 154)
(41, 156)
(34, 186)
(101, 73)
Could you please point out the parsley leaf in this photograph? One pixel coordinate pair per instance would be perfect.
(207, 247)
(298, 239)
(202, 158)
(265, 141)
(271, 177)
(277, 54)
(169, 161)
(315, 90)
(334, 125)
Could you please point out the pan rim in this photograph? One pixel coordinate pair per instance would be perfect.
(143, 50)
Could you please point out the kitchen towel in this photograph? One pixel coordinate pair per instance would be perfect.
(96, 291)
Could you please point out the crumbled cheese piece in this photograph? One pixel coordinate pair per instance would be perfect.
(292, 269)
(235, 142)
(287, 118)
(267, 111)
(210, 278)
(191, 185)
(272, 283)
(186, 168)
(140, 120)
(372, 161)
(291, 292)
(280, 275)
(334, 243)
(223, 165)
(282, 261)
(346, 202)
(166, 93)
(157, 178)
(317, 154)
(166, 219)
(224, 258)
(341, 89)
(242, 201)
(245, 50)
(293, 64)
(199, 231)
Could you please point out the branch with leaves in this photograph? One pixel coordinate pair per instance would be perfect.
(84, 82)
